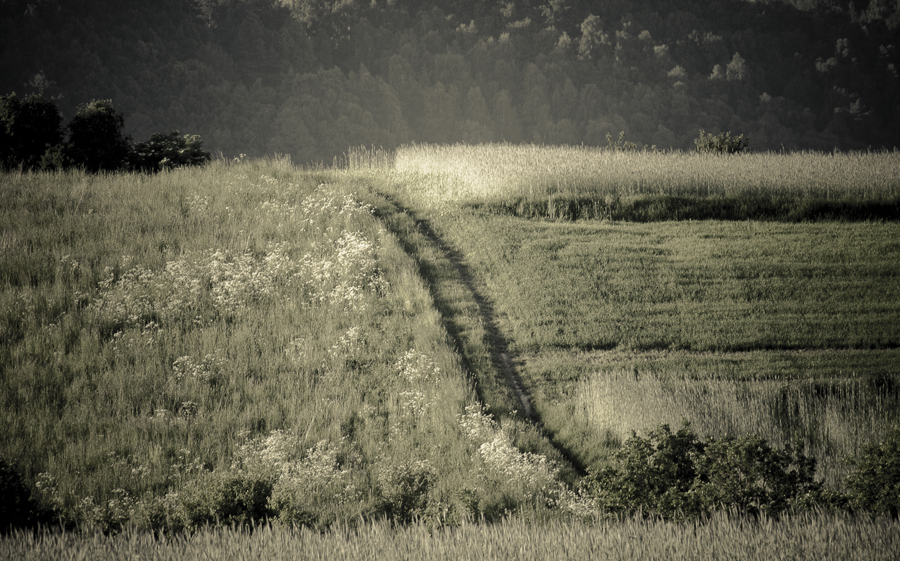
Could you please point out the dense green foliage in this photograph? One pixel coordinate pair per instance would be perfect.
(676, 475)
(95, 138)
(722, 143)
(31, 139)
(875, 484)
(310, 78)
(167, 151)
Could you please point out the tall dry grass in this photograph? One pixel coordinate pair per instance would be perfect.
(469, 174)
(831, 419)
(810, 536)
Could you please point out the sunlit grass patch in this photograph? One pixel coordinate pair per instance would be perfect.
(765, 309)
(572, 182)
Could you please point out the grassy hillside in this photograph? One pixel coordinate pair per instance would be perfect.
(230, 343)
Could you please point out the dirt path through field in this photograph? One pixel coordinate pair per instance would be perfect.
(429, 268)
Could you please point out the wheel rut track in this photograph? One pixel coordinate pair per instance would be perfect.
(499, 346)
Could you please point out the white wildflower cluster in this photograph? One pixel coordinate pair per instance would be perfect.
(111, 516)
(276, 451)
(414, 369)
(413, 404)
(348, 345)
(300, 476)
(127, 299)
(322, 203)
(415, 366)
(228, 280)
(205, 370)
(216, 280)
(198, 206)
(68, 269)
(221, 282)
(267, 180)
(296, 351)
(534, 472)
(48, 491)
(317, 472)
(580, 503)
(476, 424)
(344, 274)
(185, 467)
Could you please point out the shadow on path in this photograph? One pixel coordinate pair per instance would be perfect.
(499, 347)
(496, 342)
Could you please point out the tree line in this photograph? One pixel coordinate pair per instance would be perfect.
(32, 137)
(310, 78)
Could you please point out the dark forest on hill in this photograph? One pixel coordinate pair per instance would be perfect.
(311, 78)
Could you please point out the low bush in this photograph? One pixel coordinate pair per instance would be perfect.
(676, 475)
(875, 483)
(225, 497)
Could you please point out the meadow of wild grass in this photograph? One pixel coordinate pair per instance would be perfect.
(248, 341)
(234, 342)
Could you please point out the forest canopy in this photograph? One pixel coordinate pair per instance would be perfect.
(310, 78)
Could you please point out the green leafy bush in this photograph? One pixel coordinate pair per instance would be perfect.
(226, 497)
(676, 475)
(95, 137)
(875, 484)
(620, 145)
(722, 143)
(167, 151)
(405, 489)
